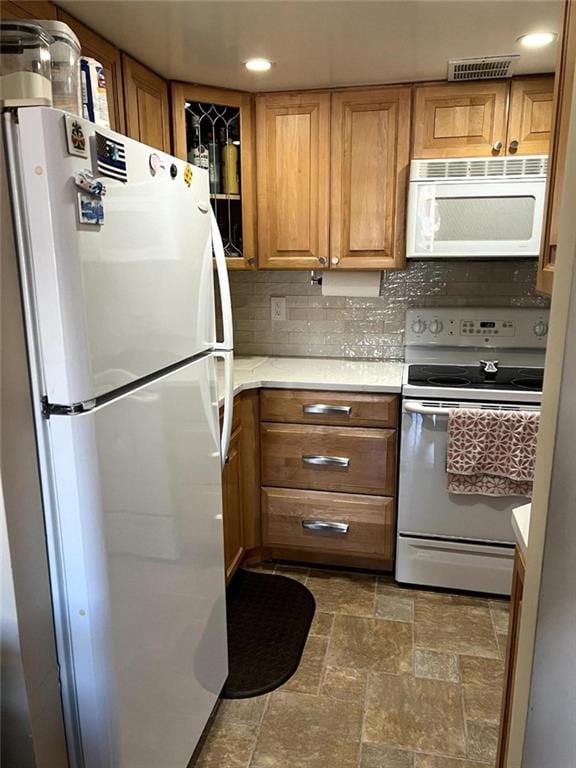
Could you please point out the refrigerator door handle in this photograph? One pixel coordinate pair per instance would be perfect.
(228, 402)
(224, 285)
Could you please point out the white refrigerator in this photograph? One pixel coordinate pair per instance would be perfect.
(115, 247)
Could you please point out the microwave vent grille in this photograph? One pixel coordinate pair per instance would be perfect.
(484, 68)
(479, 168)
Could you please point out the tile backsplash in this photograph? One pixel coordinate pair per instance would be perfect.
(370, 328)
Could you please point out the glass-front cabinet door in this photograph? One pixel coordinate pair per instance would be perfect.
(213, 129)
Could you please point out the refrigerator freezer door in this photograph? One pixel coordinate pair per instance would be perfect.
(119, 300)
(139, 516)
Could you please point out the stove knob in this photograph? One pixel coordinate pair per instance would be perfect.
(436, 327)
(418, 326)
(540, 328)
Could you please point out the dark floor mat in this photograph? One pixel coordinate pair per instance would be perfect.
(269, 618)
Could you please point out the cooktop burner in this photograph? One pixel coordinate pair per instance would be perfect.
(472, 377)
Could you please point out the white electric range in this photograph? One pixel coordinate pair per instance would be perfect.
(479, 358)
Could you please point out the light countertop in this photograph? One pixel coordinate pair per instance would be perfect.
(521, 526)
(313, 373)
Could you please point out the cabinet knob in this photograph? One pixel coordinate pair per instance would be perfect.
(513, 146)
(335, 260)
(497, 146)
(322, 260)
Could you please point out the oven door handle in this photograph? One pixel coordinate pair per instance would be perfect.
(431, 410)
(425, 410)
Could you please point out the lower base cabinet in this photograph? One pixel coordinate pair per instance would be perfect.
(232, 506)
(511, 652)
(311, 477)
(329, 466)
(241, 484)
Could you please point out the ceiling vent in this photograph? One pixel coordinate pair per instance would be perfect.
(486, 68)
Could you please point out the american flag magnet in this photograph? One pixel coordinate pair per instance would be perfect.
(111, 158)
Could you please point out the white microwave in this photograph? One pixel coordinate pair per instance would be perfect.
(476, 207)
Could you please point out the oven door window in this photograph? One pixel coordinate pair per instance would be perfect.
(484, 219)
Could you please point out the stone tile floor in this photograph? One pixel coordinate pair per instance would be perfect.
(390, 678)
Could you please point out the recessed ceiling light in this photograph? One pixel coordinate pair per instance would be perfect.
(536, 39)
(258, 65)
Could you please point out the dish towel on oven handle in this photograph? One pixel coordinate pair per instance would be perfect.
(491, 452)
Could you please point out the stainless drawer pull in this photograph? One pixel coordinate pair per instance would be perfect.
(322, 527)
(328, 410)
(338, 462)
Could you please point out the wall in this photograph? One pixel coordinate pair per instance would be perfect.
(367, 328)
(544, 701)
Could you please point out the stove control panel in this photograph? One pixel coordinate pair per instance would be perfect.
(488, 327)
(503, 328)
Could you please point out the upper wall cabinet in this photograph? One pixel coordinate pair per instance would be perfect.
(213, 129)
(489, 119)
(109, 56)
(370, 136)
(562, 108)
(146, 99)
(459, 119)
(530, 115)
(27, 9)
(293, 175)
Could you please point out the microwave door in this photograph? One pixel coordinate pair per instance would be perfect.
(475, 219)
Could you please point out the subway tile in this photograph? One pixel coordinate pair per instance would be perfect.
(334, 302)
(306, 338)
(306, 313)
(367, 328)
(296, 301)
(244, 312)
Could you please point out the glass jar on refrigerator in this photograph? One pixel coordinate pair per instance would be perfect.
(65, 66)
(24, 65)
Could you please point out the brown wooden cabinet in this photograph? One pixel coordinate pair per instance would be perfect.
(290, 520)
(530, 115)
(241, 484)
(564, 84)
(293, 179)
(488, 119)
(343, 409)
(329, 484)
(232, 506)
(511, 651)
(146, 100)
(459, 119)
(341, 459)
(202, 116)
(27, 9)
(109, 56)
(332, 175)
(370, 135)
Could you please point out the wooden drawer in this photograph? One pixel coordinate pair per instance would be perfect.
(351, 409)
(302, 519)
(329, 458)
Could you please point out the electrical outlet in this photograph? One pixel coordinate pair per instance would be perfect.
(278, 307)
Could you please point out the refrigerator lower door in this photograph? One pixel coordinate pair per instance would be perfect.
(138, 511)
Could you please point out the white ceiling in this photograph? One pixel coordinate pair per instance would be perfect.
(318, 43)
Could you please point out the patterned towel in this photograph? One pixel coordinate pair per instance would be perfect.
(491, 452)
